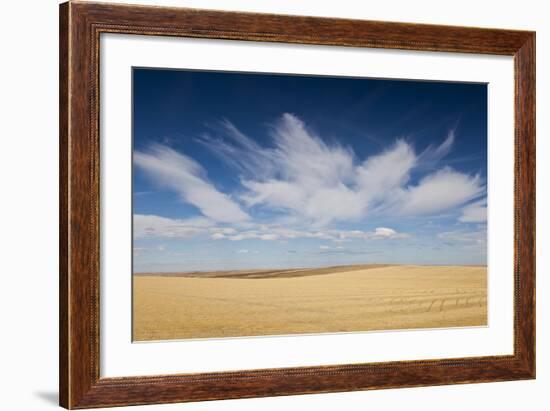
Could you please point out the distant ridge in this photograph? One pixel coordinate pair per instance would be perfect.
(267, 273)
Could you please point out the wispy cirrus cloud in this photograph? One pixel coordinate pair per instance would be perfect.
(237, 150)
(305, 177)
(302, 177)
(443, 190)
(433, 154)
(475, 212)
(182, 174)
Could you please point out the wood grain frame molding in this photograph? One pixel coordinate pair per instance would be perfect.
(81, 24)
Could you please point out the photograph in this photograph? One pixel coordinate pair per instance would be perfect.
(283, 204)
(275, 205)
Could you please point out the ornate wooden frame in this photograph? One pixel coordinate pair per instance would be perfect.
(80, 27)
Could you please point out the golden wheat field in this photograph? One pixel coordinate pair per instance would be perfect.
(325, 300)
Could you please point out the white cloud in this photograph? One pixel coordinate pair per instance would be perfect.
(476, 237)
(474, 213)
(182, 174)
(267, 233)
(379, 233)
(381, 177)
(305, 176)
(306, 182)
(224, 230)
(156, 226)
(152, 226)
(247, 235)
(432, 155)
(317, 183)
(335, 249)
(242, 251)
(242, 152)
(269, 237)
(384, 232)
(442, 190)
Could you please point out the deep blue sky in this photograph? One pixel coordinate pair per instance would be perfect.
(177, 108)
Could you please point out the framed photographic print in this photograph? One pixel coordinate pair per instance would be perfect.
(258, 205)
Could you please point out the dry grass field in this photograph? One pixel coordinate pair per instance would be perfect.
(332, 299)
